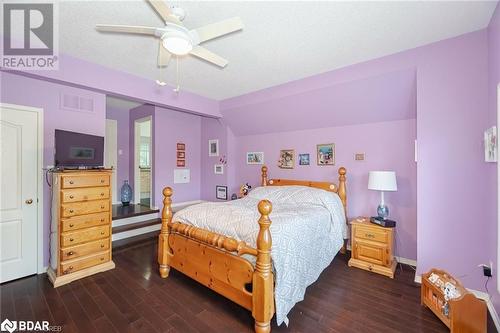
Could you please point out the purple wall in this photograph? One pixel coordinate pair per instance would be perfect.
(494, 81)
(387, 146)
(21, 90)
(172, 127)
(122, 118)
(453, 181)
(213, 129)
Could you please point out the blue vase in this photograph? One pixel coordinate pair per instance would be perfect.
(126, 193)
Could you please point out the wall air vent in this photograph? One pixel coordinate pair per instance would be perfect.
(76, 103)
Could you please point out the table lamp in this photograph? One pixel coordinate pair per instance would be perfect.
(382, 181)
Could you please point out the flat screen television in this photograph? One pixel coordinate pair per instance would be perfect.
(75, 150)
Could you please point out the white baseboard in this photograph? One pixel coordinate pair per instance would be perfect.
(481, 295)
(135, 232)
(135, 219)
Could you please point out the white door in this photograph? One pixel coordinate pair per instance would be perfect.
(110, 155)
(18, 202)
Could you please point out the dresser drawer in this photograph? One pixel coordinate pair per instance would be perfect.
(84, 194)
(74, 181)
(71, 266)
(81, 208)
(371, 252)
(84, 235)
(84, 249)
(84, 221)
(372, 234)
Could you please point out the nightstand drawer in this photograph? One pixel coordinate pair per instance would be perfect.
(372, 234)
(371, 252)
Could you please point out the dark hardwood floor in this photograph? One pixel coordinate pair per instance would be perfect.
(133, 298)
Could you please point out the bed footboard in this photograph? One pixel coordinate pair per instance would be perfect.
(214, 261)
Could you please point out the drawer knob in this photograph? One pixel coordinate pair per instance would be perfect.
(370, 267)
(70, 253)
(102, 232)
(70, 267)
(102, 220)
(71, 225)
(71, 239)
(102, 258)
(369, 235)
(102, 194)
(102, 246)
(102, 181)
(71, 182)
(71, 197)
(102, 207)
(71, 210)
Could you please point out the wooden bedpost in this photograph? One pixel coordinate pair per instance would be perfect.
(342, 192)
(264, 176)
(164, 251)
(263, 279)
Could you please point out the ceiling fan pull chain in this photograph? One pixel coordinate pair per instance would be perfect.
(177, 88)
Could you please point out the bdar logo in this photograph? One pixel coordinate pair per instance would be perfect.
(9, 326)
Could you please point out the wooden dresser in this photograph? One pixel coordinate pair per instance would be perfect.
(80, 239)
(371, 247)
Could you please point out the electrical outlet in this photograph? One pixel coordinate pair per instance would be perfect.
(486, 271)
(491, 267)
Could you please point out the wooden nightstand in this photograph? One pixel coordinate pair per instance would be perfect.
(371, 247)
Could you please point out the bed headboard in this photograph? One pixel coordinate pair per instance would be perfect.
(340, 189)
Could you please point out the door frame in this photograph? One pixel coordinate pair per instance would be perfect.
(114, 189)
(137, 139)
(41, 268)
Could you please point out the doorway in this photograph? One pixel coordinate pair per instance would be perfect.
(143, 182)
(21, 191)
(111, 154)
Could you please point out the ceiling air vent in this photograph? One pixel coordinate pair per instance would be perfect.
(77, 103)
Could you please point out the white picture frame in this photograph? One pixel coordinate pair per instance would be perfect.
(491, 145)
(213, 147)
(221, 192)
(219, 169)
(255, 157)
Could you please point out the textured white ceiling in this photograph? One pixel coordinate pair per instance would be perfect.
(281, 42)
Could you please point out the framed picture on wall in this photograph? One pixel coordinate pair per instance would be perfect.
(255, 158)
(219, 169)
(181, 163)
(213, 147)
(221, 192)
(287, 159)
(326, 154)
(490, 144)
(181, 154)
(181, 146)
(304, 159)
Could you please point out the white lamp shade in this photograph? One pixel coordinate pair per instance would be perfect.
(382, 181)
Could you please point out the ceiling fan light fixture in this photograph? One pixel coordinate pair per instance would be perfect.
(176, 43)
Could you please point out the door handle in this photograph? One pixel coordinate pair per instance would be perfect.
(29, 201)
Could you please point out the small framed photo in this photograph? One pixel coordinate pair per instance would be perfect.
(181, 163)
(213, 147)
(326, 154)
(181, 146)
(221, 192)
(181, 154)
(287, 159)
(255, 158)
(490, 144)
(219, 169)
(304, 159)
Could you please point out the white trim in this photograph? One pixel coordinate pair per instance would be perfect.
(135, 219)
(137, 136)
(406, 261)
(481, 295)
(498, 189)
(39, 112)
(135, 232)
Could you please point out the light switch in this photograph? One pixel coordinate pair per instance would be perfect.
(182, 176)
(120, 151)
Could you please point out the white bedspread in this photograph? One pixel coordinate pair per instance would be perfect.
(308, 227)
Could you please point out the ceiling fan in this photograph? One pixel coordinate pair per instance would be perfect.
(176, 39)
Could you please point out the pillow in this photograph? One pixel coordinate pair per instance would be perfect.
(294, 194)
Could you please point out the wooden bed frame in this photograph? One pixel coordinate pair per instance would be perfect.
(215, 261)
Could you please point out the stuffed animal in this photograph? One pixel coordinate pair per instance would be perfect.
(244, 189)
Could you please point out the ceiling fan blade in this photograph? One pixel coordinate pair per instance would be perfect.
(163, 55)
(218, 29)
(165, 12)
(209, 56)
(133, 29)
